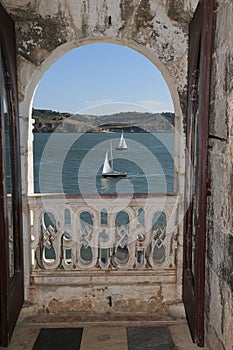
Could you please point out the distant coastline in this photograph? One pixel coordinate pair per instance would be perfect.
(47, 121)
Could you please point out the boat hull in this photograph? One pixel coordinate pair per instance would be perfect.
(121, 148)
(115, 174)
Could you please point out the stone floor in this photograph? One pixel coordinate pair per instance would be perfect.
(101, 332)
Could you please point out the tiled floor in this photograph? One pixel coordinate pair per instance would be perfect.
(114, 332)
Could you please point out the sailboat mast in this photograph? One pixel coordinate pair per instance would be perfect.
(111, 157)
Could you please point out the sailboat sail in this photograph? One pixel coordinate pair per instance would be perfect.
(122, 143)
(106, 168)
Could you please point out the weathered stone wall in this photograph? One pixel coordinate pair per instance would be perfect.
(219, 279)
(158, 29)
(48, 29)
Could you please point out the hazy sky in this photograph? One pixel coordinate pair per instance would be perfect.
(103, 79)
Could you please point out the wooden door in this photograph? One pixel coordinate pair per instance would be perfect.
(200, 53)
(11, 255)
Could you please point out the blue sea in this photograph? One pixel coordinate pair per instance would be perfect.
(72, 163)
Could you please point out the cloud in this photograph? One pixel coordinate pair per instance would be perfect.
(109, 106)
(156, 106)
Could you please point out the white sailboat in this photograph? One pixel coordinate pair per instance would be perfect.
(108, 170)
(122, 145)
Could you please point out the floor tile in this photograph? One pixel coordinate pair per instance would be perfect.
(59, 339)
(104, 338)
(182, 338)
(149, 338)
(23, 338)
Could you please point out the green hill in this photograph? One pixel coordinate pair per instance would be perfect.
(47, 121)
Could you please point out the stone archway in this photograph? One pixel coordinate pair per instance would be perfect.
(34, 79)
(156, 30)
(26, 109)
(54, 29)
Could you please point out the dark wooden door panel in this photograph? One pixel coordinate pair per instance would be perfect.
(200, 53)
(11, 248)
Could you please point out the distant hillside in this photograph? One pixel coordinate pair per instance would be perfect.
(47, 121)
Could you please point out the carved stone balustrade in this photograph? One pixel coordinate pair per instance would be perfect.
(79, 236)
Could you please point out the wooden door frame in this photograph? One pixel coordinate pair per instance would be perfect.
(200, 57)
(11, 289)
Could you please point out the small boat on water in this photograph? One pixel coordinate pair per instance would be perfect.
(108, 170)
(122, 145)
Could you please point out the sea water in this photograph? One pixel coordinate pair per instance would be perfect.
(72, 163)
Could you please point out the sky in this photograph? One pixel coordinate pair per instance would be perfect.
(103, 79)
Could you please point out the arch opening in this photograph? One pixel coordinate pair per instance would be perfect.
(142, 118)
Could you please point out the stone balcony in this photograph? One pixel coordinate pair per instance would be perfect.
(111, 253)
